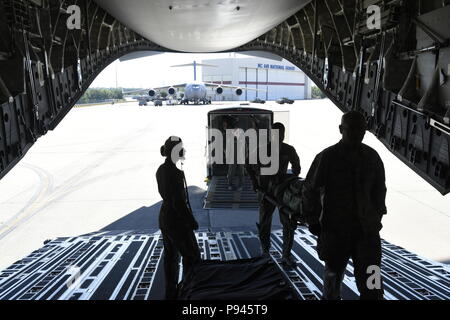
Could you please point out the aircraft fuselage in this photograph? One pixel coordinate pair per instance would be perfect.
(195, 92)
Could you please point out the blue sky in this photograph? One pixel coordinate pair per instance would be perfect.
(152, 71)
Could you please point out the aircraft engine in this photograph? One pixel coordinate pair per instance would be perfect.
(152, 93)
(171, 91)
(239, 92)
(219, 90)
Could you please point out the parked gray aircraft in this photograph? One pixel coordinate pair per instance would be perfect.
(196, 91)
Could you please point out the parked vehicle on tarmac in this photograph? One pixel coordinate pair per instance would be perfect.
(285, 100)
(258, 100)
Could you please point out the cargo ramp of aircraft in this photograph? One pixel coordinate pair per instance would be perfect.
(128, 266)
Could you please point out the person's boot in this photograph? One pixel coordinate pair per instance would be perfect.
(288, 241)
(332, 284)
(289, 262)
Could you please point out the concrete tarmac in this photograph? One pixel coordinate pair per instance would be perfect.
(96, 171)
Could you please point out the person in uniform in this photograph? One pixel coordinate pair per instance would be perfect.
(287, 154)
(176, 219)
(343, 203)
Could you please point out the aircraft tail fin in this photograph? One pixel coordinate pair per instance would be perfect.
(195, 65)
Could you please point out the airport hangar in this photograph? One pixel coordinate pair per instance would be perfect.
(274, 79)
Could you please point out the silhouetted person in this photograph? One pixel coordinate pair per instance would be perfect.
(287, 154)
(176, 220)
(343, 202)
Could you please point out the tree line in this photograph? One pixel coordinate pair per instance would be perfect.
(316, 93)
(98, 95)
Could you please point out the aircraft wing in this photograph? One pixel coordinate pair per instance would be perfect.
(215, 85)
(182, 85)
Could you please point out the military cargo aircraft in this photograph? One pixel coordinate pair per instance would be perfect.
(196, 91)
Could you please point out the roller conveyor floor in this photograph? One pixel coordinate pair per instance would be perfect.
(128, 266)
(219, 197)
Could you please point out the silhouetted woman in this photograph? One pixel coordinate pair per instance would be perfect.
(176, 220)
